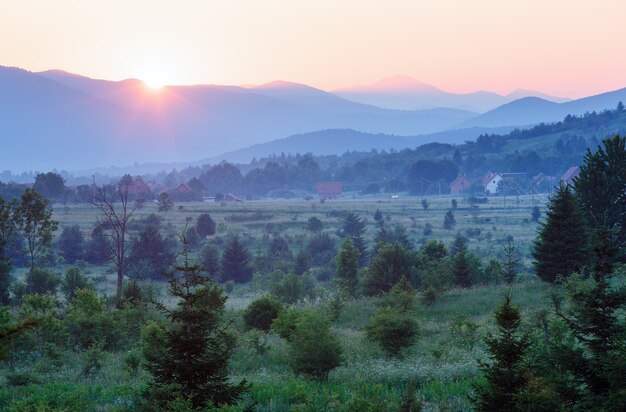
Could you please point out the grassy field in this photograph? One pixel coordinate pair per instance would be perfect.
(442, 363)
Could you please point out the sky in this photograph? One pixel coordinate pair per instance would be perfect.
(567, 48)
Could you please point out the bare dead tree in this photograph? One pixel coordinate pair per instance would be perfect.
(116, 213)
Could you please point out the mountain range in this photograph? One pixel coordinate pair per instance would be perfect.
(406, 93)
(61, 120)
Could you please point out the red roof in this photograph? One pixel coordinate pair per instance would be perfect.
(183, 188)
(329, 188)
(138, 187)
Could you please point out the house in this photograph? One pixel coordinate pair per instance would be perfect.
(459, 185)
(329, 190)
(570, 174)
(491, 185)
(138, 188)
(229, 197)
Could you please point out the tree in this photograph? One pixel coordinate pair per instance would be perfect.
(50, 185)
(164, 202)
(314, 225)
(71, 244)
(33, 219)
(98, 248)
(205, 226)
(261, 313)
(378, 216)
(150, 247)
(188, 356)
(505, 377)
(236, 263)
(42, 282)
(620, 106)
(449, 222)
(73, 281)
(210, 261)
(113, 204)
(601, 186)
(388, 266)
(510, 262)
(596, 363)
(313, 349)
(348, 267)
(7, 232)
(457, 158)
(393, 326)
(535, 214)
(302, 263)
(559, 247)
(425, 204)
(353, 225)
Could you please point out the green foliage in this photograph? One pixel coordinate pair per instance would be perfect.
(164, 202)
(314, 225)
(596, 363)
(288, 290)
(505, 377)
(510, 262)
(393, 326)
(132, 361)
(261, 313)
(72, 281)
(559, 247)
(449, 222)
(313, 349)
(236, 263)
(33, 219)
(601, 185)
(92, 359)
(210, 260)
(205, 225)
(90, 323)
(149, 252)
(188, 357)
(42, 281)
(71, 244)
(5, 281)
(302, 263)
(348, 267)
(388, 266)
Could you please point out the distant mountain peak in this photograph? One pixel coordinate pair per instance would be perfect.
(396, 84)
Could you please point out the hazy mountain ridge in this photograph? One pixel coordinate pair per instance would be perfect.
(404, 92)
(105, 123)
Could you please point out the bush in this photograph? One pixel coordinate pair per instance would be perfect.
(313, 349)
(72, 281)
(289, 290)
(42, 282)
(393, 326)
(261, 313)
(205, 226)
(71, 244)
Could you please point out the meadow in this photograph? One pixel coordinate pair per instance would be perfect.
(441, 365)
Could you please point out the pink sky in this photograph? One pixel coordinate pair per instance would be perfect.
(567, 48)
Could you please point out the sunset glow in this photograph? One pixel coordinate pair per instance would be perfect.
(566, 48)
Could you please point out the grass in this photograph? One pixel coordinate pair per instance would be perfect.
(442, 362)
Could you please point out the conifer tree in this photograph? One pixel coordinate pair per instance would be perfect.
(348, 267)
(601, 186)
(449, 222)
(236, 263)
(188, 357)
(510, 262)
(505, 378)
(597, 362)
(559, 247)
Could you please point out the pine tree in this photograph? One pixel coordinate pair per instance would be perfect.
(302, 263)
(510, 262)
(597, 363)
(601, 186)
(461, 270)
(504, 377)
(236, 263)
(559, 247)
(449, 222)
(205, 226)
(348, 267)
(188, 357)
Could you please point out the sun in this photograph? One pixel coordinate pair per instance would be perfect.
(153, 83)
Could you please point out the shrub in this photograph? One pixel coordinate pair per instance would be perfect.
(261, 313)
(313, 349)
(289, 290)
(205, 226)
(71, 244)
(132, 361)
(42, 282)
(72, 281)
